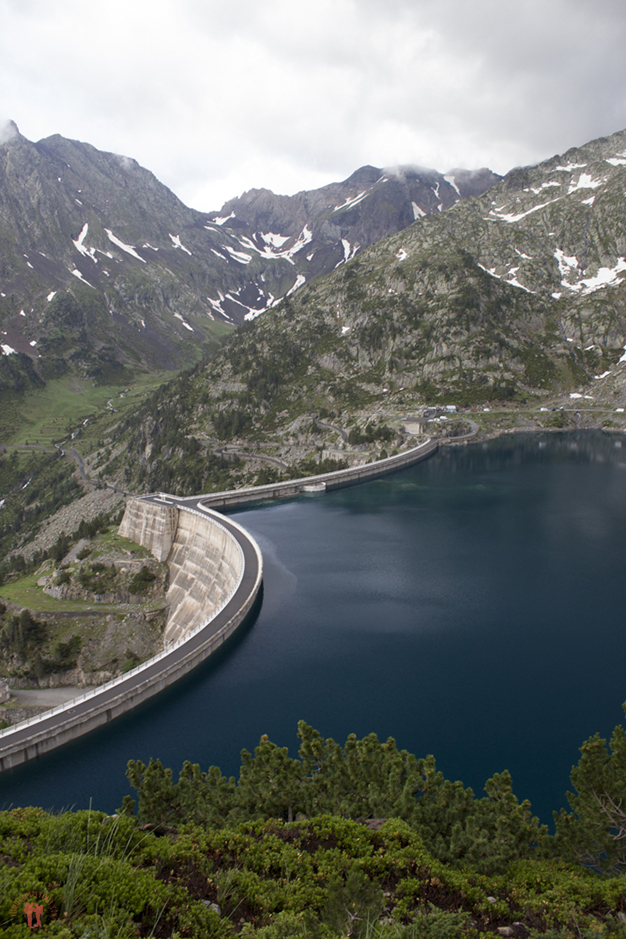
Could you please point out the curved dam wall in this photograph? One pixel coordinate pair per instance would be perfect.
(216, 569)
(206, 562)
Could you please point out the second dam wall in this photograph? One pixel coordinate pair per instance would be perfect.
(337, 479)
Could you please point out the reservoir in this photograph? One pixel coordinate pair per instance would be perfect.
(472, 606)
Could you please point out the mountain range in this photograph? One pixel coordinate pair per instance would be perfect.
(102, 267)
(395, 287)
(511, 292)
(515, 295)
(320, 230)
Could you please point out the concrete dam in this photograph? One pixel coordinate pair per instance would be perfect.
(216, 571)
(206, 562)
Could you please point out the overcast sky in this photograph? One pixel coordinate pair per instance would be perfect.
(219, 96)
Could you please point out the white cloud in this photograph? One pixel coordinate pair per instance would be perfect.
(215, 98)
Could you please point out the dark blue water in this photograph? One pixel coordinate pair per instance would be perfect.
(472, 607)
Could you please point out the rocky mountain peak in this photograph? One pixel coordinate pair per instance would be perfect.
(364, 176)
(8, 131)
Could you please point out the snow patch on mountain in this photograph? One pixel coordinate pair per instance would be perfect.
(79, 241)
(273, 240)
(585, 181)
(238, 255)
(217, 304)
(300, 280)
(551, 183)
(452, 182)
(304, 238)
(78, 274)
(120, 244)
(265, 252)
(507, 217)
(566, 263)
(605, 277)
(252, 314)
(183, 320)
(352, 201)
(178, 243)
(80, 245)
(348, 250)
(509, 278)
(222, 220)
(570, 166)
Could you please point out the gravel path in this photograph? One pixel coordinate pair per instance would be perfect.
(48, 697)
